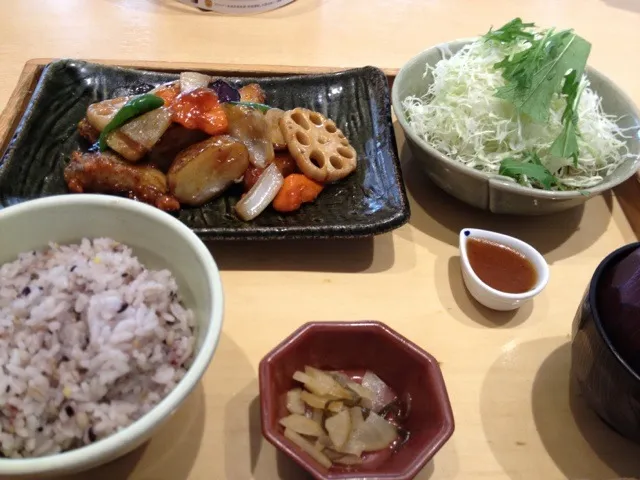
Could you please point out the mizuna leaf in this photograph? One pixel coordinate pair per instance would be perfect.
(535, 172)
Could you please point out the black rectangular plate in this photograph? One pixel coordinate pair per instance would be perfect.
(370, 201)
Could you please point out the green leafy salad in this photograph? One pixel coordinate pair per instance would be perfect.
(516, 102)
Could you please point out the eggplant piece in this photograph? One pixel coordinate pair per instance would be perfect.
(226, 93)
(206, 169)
(250, 127)
(176, 139)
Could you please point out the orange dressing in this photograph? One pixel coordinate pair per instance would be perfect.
(200, 109)
(501, 267)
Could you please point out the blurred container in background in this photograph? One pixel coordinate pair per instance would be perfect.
(237, 7)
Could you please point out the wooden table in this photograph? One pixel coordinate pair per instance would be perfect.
(507, 373)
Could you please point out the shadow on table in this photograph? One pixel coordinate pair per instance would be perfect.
(248, 456)
(628, 5)
(553, 393)
(538, 427)
(469, 311)
(290, 470)
(557, 236)
(170, 454)
(371, 255)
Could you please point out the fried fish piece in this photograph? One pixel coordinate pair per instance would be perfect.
(108, 173)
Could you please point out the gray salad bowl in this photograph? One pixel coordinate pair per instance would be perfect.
(497, 193)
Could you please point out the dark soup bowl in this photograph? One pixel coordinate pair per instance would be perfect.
(350, 349)
(600, 361)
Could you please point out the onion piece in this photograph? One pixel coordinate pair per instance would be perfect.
(339, 428)
(323, 442)
(321, 402)
(349, 460)
(353, 446)
(302, 425)
(250, 127)
(261, 194)
(383, 394)
(327, 384)
(375, 433)
(308, 447)
(319, 386)
(148, 128)
(343, 459)
(192, 80)
(366, 396)
(316, 415)
(294, 402)
(342, 378)
(357, 418)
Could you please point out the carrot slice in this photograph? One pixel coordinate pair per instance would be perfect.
(296, 190)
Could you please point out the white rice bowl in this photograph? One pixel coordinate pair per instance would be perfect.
(69, 341)
(90, 340)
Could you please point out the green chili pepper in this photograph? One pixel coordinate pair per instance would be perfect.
(130, 110)
(258, 106)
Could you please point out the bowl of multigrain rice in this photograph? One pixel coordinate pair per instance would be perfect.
(110, 312)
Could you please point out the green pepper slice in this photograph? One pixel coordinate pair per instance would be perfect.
(258, 106)
(133, 108)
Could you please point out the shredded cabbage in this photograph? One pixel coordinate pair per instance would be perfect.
(461, 117)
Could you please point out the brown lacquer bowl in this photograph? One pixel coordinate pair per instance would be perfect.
(404, 366)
